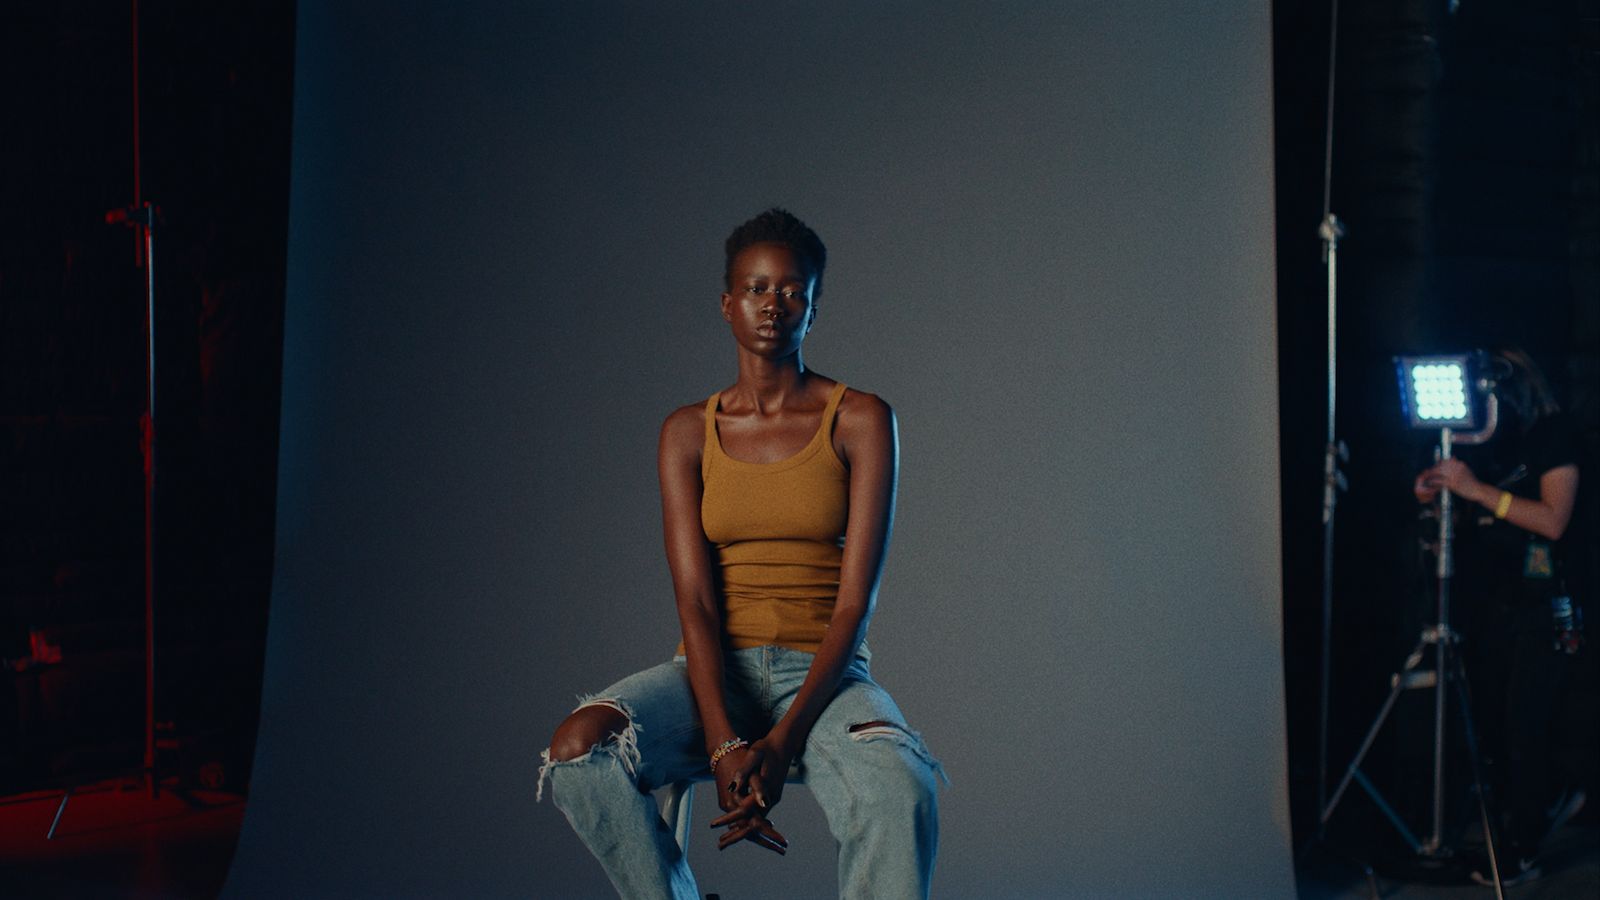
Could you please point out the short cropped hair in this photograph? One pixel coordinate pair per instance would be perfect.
(779, 226)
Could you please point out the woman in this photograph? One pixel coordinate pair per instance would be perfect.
(774, 594)
(1511, 572)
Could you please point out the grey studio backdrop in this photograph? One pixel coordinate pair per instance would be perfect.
(1050, 229)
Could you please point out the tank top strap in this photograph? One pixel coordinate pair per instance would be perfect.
(710, 445)
(711, 417)
(832, 409)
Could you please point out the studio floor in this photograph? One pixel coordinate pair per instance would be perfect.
(115, 841)
(1570, 868)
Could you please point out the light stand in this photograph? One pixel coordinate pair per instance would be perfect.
(1333, 481)
(1423, 400)
(1330, 230)
(142, 216)
(1335, 452)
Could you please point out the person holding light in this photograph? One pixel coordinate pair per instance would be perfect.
(1512, 574)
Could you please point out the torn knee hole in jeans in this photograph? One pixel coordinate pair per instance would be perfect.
(867, 729)
(621, 746)
(881, 728)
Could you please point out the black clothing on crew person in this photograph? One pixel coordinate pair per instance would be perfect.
(1506, 578)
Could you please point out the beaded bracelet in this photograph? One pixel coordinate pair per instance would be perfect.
(723, 749)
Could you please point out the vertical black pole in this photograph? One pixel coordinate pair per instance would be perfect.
(146, 230)
(1330, 230)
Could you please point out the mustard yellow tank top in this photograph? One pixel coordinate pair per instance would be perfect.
(779, 533)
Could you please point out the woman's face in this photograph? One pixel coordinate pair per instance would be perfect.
(768, 304)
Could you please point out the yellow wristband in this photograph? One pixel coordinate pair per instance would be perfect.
(1504, 506)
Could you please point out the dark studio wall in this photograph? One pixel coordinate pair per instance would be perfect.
(1465, 164)
(216, 89)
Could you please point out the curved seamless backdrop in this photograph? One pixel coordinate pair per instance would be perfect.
(1050, 229)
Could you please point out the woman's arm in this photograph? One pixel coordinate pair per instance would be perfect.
(1547, 516)
(678, 462)
(689, 558)
(867, 433)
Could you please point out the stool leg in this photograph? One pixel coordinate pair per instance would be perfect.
(677, 809)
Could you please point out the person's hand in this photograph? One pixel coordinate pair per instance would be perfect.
(742, 812)
(1458, 478)
(763, 771)
(749, 784)
(1426, 486)
(756, 829)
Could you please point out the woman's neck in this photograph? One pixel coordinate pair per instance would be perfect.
(769, 383)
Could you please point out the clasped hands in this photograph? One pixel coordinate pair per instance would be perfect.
(749, 784)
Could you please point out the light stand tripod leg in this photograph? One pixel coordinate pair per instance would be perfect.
(1459, 674)
(1436, 839)
(1389, 811)
(65, 796)
(1400, 681)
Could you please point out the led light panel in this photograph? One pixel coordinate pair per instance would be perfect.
(1435, 391)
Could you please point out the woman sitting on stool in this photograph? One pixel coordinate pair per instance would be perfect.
(777, 498)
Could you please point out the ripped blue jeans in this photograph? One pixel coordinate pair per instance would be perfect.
(876, 785)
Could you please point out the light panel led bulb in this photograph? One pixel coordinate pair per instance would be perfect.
(1441, 391)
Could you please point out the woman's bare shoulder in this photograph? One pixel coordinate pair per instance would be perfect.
(863, 414)
(684, 426)
(866, 407)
